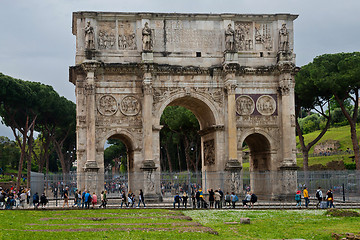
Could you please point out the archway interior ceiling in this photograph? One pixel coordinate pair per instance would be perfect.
(258, 144)
(201, 111)
(125, 140)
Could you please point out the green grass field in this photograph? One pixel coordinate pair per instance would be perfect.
(166, 224)
(341, 134)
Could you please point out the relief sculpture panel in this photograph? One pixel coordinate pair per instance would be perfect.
(209, 152)
(244, 36)
(266, 105)
(263, 35)
(130, 106)
(106, 35)
(127, 36)
(107, 105)
(245, 105)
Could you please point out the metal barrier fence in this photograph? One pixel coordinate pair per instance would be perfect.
(266, 185)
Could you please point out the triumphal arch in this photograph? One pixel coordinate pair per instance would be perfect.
(235, 72)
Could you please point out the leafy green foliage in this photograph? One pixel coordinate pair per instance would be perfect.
(179, 139)
(117, 151)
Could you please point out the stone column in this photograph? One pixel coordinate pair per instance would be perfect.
(286, 86)
(91, 167)
(148, 165)
(147, 116)
(233, 166)
(286, 178)
(230, 85)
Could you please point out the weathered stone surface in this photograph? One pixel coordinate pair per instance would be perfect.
(234, 72)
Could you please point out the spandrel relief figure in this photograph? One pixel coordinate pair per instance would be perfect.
(89, 37)
(230, 39)
(147, 38)
(284, 39)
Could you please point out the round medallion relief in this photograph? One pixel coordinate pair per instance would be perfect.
(266, 105)
(107, 105)
(245, 105)
(130, 106)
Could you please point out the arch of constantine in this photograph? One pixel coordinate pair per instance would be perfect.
(234, 72)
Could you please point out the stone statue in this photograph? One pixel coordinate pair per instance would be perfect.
(146, 38)
(284, 39)
(229, 39)
(89, 37)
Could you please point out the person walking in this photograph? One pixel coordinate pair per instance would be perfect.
(94, 200)
(221, 198)
(211, 198)
(36, 200)
(234, 199)
(43, 200)
(123, 199)
(141, 198)
(198, 199)
(306, 197)
(177, 200)
(217, 197)
(247, 199)
(66, 197)
(330, 198)
(185, 199)
(227, 199)
(298, 198)
(319, 196)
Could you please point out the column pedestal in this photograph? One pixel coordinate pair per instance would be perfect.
(233, 181)
(151, 180)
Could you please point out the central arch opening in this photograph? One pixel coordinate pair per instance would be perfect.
(184, 144)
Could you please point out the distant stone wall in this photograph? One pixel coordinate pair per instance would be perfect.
(327, 146)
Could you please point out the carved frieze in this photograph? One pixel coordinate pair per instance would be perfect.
(245, 105)
(214, 94)
(256, 121)
(244, 36)
(209, 152)
(130, 106)
(127, 42)
(263, 36)
(107, 105)
(106, 40)
(266, 105)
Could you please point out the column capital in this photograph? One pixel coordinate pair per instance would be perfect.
(90, 66)
(147, 86)
(286, 84)
(230, 86)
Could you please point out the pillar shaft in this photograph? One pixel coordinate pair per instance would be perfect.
(287, 116)
(231, 118)
(147, 117)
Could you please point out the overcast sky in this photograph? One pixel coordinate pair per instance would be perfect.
(36, 42)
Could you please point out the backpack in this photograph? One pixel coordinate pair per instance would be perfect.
(177, 198)
(317, 194)
(90, 198)
(235, 198)
(253, 198)
(297, 197)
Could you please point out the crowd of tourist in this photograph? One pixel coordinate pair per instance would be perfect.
(324, 201)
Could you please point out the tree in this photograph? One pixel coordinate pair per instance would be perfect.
(64, 137)
(116, 152)
(9, 153)
(309, 97)
(19, 110)
(184, 128)
(339, 74)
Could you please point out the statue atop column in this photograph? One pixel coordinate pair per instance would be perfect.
(89, 36)
(284, 39)
(147, 38)
(230, 39)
